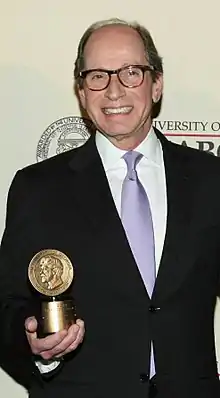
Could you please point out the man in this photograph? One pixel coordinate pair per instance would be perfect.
(141, 224)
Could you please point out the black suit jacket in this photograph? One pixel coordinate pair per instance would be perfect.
(65, 203)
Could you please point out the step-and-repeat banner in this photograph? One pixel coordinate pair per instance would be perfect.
(39, 112)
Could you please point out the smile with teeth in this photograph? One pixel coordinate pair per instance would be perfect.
(117, 111)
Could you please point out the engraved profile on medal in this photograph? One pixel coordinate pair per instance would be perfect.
(50, 272)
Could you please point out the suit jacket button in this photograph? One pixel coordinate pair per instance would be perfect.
(152, 308)
(144, 377)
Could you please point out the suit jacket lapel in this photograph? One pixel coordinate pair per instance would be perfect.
(91, 189)
(174, 264)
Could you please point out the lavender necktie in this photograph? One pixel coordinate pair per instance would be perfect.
(137, 222)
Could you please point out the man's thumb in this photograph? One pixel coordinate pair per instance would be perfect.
(31, 324)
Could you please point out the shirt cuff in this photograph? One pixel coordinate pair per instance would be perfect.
(46, 366)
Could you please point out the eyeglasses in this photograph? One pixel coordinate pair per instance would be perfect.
(129, 76)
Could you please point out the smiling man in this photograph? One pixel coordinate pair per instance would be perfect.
(119, 83)
(140, 222)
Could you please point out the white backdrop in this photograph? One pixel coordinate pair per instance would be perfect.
(38, 41)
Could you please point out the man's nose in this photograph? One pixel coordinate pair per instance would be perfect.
(115, 89)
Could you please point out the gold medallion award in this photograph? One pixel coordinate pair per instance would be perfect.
(51, 274)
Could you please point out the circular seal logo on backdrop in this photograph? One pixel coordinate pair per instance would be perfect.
(62, 135)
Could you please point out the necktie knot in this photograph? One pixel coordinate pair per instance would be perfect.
(132, 158)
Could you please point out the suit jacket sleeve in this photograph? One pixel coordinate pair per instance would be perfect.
(15, 298)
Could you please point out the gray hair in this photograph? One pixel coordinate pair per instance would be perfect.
(151, 52)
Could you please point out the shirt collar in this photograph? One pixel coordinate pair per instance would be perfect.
(150, 148)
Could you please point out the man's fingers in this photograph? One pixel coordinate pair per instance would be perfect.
(48, 343)
(61, 346)
(79, 336)
(57, 344)
(76, 342)
(69, 343)
(39, 345)
(81, 324)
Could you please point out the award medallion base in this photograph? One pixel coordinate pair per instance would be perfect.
(56, 315)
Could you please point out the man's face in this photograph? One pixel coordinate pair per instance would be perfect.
(113, 47)
(46, 273)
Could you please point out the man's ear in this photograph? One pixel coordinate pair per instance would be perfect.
(82, 98)
(157, 88)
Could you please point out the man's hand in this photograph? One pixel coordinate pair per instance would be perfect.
(57, 344)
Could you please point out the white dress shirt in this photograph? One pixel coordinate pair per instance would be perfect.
(151, 173)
